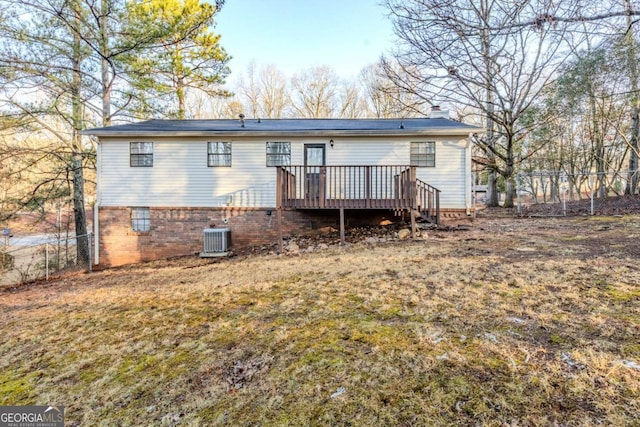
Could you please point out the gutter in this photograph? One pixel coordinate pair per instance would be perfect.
(279, 134)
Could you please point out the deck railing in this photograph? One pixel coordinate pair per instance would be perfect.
(355, 187)
(428, 201)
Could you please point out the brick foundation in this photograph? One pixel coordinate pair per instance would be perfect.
(452, 215)
(179, 231)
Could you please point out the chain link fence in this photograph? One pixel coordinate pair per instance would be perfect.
(39, 257)
(556, 193)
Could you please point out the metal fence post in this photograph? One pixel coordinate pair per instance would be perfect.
(90, 250)
(46, 261)
(563, 188)
(592, 184)
(518, 189)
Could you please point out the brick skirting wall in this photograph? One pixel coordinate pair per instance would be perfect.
(179, 231)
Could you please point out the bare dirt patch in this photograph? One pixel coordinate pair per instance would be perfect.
(501, 321)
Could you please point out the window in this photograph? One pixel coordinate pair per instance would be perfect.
(141, 154)
(423, 154)
(140, 219)
(278, 153)
(218, 154)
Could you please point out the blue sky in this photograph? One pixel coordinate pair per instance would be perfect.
(297, 34)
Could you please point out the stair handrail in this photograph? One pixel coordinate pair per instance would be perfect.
(428, 200)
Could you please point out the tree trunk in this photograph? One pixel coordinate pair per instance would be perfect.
(180, 94)
(632, 182)
(510, 192)
(602, 190)
(104, 47)
(492, 183)
(492, 189)
(510, 187)
(597, 140)
(79, 216)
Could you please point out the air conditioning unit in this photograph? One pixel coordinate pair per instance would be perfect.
(217, 242)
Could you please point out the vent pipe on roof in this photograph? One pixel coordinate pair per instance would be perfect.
(241, 120)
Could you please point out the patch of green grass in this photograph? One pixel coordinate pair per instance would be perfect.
(557, 339)
(623, 293)
(629, 350)
(17, 386)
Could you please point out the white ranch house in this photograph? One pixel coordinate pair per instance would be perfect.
(162, 182)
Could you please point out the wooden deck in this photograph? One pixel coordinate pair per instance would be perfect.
(393, 187)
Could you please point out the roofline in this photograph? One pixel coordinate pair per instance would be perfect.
(290, 133)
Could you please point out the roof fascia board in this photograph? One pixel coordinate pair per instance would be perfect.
(280, 134)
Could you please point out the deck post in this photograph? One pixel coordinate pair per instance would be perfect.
(367, 186)
(322, 190)
(413, 223)
(280, 239)
(342, 242)
(280, 193)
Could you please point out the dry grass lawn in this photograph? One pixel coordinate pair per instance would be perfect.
(511, 322)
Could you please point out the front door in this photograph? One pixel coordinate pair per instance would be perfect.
(314, 159)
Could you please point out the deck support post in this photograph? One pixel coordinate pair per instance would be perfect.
(342, 242)
(413, 223)
(282, 177)
(280, 240)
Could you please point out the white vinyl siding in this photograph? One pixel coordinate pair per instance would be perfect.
(449, 174)
(180, 177)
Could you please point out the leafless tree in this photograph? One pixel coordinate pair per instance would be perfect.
(275, 93)
(250, 90)
(385, 99)
(350, 102)
(474, 54)
(590, 110)
(263, 91)
(631, 44)
(314, 92)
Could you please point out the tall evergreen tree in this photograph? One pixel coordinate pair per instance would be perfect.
(69, 64)
(188, 54)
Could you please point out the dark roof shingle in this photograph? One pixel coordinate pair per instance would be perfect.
(284, 127)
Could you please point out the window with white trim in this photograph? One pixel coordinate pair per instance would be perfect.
(218, 154)
(141, 154)
(278, 153)
(423, 154)
(140, 219)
